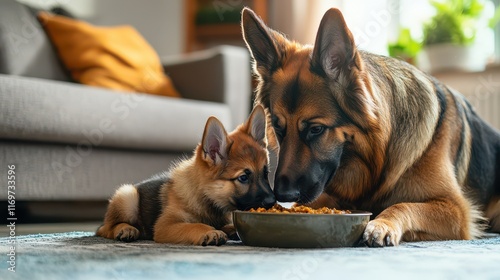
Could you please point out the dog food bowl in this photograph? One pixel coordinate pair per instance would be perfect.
(297, 230)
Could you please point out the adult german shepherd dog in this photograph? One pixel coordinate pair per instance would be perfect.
(357, 130)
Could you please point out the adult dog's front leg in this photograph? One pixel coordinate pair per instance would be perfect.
(431, 220)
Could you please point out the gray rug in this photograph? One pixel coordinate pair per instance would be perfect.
(80, 255)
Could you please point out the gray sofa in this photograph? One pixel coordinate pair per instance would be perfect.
(71, 142)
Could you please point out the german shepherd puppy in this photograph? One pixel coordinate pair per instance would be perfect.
(192, 203)
(363, 131)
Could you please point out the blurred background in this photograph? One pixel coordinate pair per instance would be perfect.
(385, 27)
(438, 36)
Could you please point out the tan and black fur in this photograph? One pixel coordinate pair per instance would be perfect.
(191, 204)
(357, 130)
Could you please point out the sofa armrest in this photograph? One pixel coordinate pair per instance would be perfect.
(220, 74)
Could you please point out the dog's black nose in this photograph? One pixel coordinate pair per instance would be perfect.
(284, 191)
(290, 196)
(269, 201)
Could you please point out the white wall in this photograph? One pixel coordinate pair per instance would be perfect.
(371, 22)
(161, 22)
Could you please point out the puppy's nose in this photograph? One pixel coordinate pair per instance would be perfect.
(284, 191)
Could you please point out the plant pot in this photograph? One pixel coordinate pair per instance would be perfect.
(440, 57)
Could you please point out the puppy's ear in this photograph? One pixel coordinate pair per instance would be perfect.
(334, 48)
(263, 42)
(256, 125)
(214, 142)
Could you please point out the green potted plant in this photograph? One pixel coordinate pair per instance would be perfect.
(450, 37)
(406, 47)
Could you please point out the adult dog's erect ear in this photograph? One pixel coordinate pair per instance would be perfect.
(335, 55)
(334, 47)
(262, 42)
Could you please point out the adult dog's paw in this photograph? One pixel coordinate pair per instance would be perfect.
(213, 237)
(380, 233)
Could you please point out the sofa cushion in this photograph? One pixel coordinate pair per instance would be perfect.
(25, 50)
(49, 111)
(110, 57)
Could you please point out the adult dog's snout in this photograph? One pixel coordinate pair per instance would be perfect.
(285, 190)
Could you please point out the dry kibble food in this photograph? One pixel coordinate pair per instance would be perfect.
(299, 209)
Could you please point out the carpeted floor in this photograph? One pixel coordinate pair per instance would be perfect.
(80, 255)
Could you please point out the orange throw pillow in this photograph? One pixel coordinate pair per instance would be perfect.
(112, 57)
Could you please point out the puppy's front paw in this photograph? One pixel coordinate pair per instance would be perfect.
(127, 234)
(380, 233)
(213, 237)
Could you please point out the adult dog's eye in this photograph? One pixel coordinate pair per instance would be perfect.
(278, 131)
(316, 130)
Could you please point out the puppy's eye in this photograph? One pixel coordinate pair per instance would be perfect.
(243, 179)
